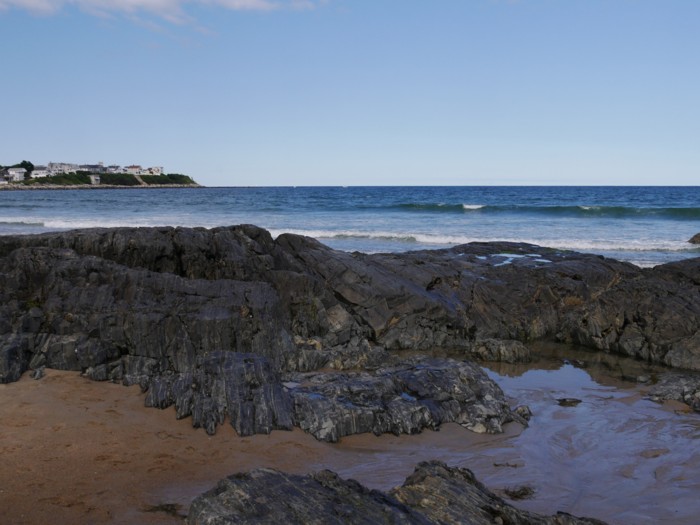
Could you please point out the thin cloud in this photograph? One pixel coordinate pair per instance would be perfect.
(35, 6)
(174, 11)
(245, 5)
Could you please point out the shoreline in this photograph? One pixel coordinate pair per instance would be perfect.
(92, 452)
(14, 187)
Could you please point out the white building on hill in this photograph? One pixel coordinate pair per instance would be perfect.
(58, 168)
(15, 174)
(40, 171)
(134, 169)
(155, 170)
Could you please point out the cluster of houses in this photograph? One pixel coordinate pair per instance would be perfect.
(60, 168)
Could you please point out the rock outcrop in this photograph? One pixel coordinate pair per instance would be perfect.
(677, 386)
(695, 239)
(403, 399)
(273, 333)
(433, 494)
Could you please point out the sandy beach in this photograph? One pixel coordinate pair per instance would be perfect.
(79, 451)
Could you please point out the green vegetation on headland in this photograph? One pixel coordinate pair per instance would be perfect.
(66, 179)
(170, 178)
(110, 179)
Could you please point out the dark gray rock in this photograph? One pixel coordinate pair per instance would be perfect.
(695, 239)
(270, 496)
(404, 399)
(14, 358)
(146, 305)
(568, 402)
(434, 493)
(501, 351)
(679, 387)
(243, 387)
(453, 495)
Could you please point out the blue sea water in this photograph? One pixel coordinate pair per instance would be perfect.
(644, 225)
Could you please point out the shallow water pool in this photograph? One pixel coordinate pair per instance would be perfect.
(614, 455)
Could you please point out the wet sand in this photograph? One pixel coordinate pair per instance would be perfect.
(76, 451)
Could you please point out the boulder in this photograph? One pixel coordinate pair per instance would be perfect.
(433, 494)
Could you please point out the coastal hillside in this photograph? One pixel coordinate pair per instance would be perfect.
(109, 179)
(25, 175)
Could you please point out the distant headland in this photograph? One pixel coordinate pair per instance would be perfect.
(64, 175)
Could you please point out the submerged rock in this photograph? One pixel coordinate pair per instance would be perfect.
(434, 493)
(568, 402)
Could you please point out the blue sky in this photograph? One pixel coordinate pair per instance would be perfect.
(363, 92)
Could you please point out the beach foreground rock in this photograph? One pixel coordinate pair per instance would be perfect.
(434, 493)
(288, 332)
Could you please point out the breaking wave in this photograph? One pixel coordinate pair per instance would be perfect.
(437, 240)
(582, 211)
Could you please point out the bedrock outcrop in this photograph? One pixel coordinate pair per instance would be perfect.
(434, 493)
(274, 332)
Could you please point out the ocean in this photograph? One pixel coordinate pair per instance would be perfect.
(643, 225)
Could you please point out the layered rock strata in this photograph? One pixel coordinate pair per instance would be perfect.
(276, 333)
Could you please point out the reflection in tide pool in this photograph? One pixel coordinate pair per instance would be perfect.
(614, 456)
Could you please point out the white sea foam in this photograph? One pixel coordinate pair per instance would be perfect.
(627, 245)
(364, 238)
(472, 206)
(129, 221)
(20, 223)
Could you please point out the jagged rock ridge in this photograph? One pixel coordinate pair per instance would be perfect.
(275, 333)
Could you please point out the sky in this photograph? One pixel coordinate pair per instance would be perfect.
(358, 92)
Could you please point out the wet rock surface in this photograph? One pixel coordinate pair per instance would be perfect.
(679, 387)
(434, 493)
(404, 399)
(162, 307)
